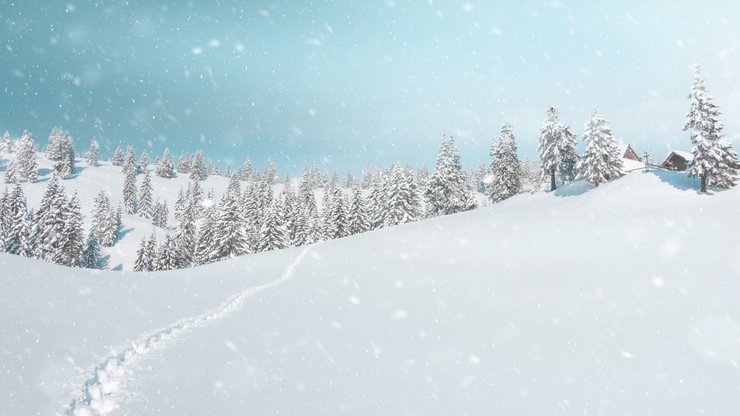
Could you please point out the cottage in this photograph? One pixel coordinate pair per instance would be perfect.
(630, 159)
(677, 160)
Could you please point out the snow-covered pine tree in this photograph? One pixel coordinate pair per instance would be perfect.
(165, 168)
(143, 260)
(357, 221)
(146, 207)
(161, 212)
(180, 204)
(151, 247)
(601, 160)
(50, 222)
(91, 255)
(377, 201)
(556, 149)
(403, 203)
(183, 163)
(72, 237)
(166, 258)
(272, 232)
(206, 235)
(25, 234)
(117, 159)
(26, 164)
(5, 143)
(336, 220)
(245, 173)
(16, 224)
(271, 173)
(130, 163)
(129, 190)
(91, 156)
(214, 170)
(198, 170)
(186, 238)
(101, 219)
(117, 222)
(506, 172)
(448, 190)
(230, 239)
(10, 175)
(715, 162)
(5, 219)
(144, 161)
(54, 149)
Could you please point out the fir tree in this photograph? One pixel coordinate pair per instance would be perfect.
(448, 190)
(245, 173)
(117, 159)
(357, 221)
(102, 222)
(129, 161)
(146, 206)
(206, 235)
(27, 167)
(50, 222)
(272, 233)
(144, 161)
(403, 203)
(506, 173)
(715, 162)
(143, 258)
(166, 255)
(165, 168)
(15, 218)
(377, 202)
(198, 167)
(601, 161)
(91, 255)
(10, 176)
(92, 154)
(184, 163)
(231, 237)
(186, 239)
(72, 237)
(129, 191)
(5, 143)
(557, 149)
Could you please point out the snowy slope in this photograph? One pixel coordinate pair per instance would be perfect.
(615, 300)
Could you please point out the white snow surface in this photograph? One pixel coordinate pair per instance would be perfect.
(617, 300)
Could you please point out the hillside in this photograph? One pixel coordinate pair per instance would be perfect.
(615, 300)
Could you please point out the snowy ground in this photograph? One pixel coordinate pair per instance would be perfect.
(615, 300)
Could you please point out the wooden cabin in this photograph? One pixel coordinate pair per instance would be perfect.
(631, 161)
(629, 153)
(677, 160)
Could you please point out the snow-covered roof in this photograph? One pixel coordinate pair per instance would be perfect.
(686, 155)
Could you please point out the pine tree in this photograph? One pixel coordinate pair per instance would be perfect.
(15, 218)
(5, 143)
(72, 237)
(151, 248)
(129, 161)
(117, 159)
(27, 166)
(601, 161)
(357, 221)
(214, 170)
(117, 221)
(10, 176)
(165, 168)
(144, 161)
(205, 237)
(50, 222)
(166, 255)
(60, 149)
(184, 163)
(129, 191)
(186, 239)
(272, 233)
(448, 190)
(557, 149)
(231, 237)
(146, 207)
(92, 154)
(91, 255)
(506, 173)
(143, 258)
(403, 203)
(245, 173)
(161, 212)
(714, 162)
(198, 167)
(377, 202)
(102, 223)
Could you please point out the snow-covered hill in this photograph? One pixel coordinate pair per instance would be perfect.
(615, 300)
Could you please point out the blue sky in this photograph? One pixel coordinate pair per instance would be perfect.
(349, 82)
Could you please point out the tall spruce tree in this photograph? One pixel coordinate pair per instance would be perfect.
(272, 232)
(117, 159)
(146, 206)
(601, 160)
(91, 156)
(130, 201)
(6, 146)
(143, 258)
(357, 221)
(50, 222)
(557, 149)
(26, 164)
(198, 170)
(91, 254)
(714, 162)
(231, 238)
(165, 168)
(448, 190)
(506, 172)
(72, 237)
(102, 220)
(403, 203)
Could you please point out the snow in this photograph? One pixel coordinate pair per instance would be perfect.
(615, 300)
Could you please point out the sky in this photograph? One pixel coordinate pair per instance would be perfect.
(346, 83)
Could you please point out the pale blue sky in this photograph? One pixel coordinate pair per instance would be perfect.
(348, 82)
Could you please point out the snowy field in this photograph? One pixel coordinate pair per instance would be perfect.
(617, 300)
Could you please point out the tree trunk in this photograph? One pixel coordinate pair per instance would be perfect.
(552, 180)
(704, 183)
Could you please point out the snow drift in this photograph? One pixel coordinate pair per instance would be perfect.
(615, 300)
